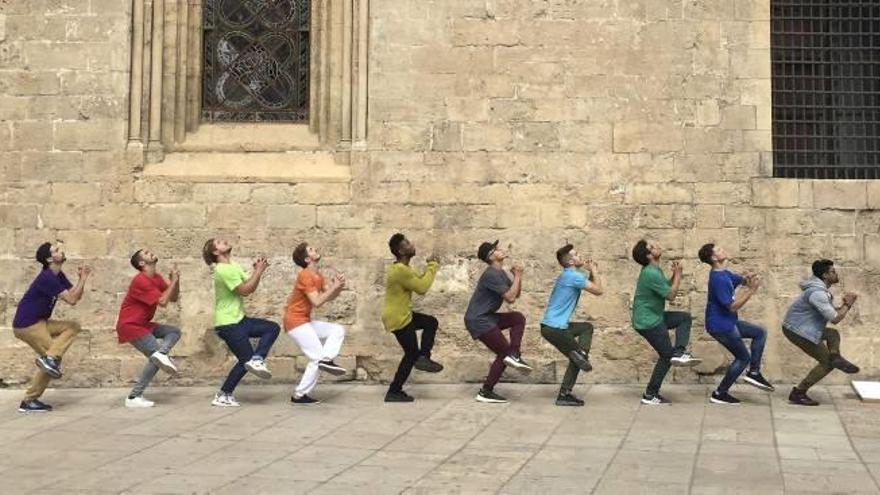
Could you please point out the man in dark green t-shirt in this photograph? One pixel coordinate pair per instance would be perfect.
(652, 321)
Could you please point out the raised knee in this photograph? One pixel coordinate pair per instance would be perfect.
(74, 327)
(431, 323)
(519, 318)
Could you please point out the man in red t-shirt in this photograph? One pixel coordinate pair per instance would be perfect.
(147, 291)
(309, 292)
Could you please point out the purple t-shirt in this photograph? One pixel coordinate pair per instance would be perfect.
(39, 300)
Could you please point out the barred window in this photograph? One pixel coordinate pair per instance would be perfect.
(826, 88)
(256, 65)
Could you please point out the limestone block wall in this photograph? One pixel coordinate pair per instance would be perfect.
(529, 121)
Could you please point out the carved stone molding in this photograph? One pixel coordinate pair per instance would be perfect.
(166, 72)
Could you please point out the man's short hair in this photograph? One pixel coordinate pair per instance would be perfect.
(208, 252)
(300, 253)
(562, 254)
(395, 242)
(136, 259)
(640, 253)
(821, 267)
(705, 253)
(44, 254)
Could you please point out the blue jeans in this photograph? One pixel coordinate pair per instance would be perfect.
(733, 342)
(237, 337)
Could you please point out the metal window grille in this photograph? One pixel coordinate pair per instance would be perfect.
(826, 88)
(256, 65)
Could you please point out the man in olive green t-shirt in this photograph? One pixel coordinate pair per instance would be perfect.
(231, 285)
(652, 321)
(399, 319)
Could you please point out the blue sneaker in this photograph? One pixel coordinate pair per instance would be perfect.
(29, 406)
(49, 365)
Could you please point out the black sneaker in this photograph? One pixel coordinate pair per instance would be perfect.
(330, 367)
(580, 359)
(490, 397)
(568, 400)
(843, 365)
(49, 365)
(654, 400)
(756, 379)
(516, 361)
(34, 405)
(723, 398)
(305, 399)
(800, 398)
(426, 364)
(398, 397)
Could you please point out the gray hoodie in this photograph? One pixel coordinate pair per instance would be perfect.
(811, 311)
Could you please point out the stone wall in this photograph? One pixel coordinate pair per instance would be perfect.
(531, 121)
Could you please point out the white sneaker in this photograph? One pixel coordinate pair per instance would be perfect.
(138, 403)
(685, 360)
(258, 367)
(224, 400)
(164, 362)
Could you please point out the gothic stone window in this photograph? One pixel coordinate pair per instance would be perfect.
(826, 88)
(256, 65)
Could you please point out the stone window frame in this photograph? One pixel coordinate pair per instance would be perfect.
(166, 85)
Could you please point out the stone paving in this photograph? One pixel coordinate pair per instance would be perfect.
(445, 442)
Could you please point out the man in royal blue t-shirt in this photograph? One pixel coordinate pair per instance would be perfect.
(724, 325)
(33, 324)
(572, 339)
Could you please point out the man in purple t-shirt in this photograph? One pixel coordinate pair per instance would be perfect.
(32, 323)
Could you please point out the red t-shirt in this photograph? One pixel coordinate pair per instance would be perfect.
(299, 308)
(139, 306)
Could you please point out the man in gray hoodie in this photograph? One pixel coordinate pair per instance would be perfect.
(805, 325)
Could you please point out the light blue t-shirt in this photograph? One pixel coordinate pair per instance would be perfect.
(564, 298)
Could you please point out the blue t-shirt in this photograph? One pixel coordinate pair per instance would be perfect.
(564, 298)
(722, 288)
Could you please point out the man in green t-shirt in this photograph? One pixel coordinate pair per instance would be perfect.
(401, 280)
(231, 284)
(652, 321)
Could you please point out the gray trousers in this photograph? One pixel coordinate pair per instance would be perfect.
(162, 340)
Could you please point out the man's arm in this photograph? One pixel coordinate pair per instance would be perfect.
(73, 295)
(171, 292)
(249, 286)
(752, 283)
(516, 287)
(675, 282)
(318, 298)
(420, 283)
(594, 286)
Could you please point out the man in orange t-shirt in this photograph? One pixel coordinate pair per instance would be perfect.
(309, 292)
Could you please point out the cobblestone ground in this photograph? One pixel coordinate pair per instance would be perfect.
(445, 442)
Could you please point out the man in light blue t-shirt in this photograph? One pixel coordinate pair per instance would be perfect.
(573, 339)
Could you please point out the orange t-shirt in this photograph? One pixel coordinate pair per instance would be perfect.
(299, 308)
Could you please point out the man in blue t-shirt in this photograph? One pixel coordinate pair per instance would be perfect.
(573, 339)
(724, 325)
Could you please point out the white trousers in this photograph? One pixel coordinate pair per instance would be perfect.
(308, 337)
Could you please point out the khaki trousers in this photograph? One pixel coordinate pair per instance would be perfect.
(47, 338)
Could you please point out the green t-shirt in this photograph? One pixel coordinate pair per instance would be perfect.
(228, 306)
(650, 299)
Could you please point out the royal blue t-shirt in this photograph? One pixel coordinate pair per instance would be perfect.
(722, 289)
(39, 300)
(564, 298)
